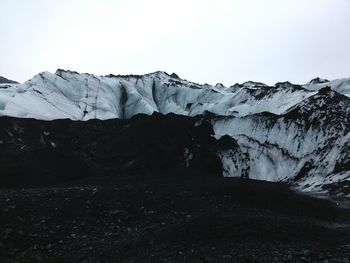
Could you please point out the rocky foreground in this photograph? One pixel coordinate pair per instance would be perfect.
(149, 189)
(178, 216)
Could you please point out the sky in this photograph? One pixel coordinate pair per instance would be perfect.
(206, 41)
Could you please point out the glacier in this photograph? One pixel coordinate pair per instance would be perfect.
(297, 134)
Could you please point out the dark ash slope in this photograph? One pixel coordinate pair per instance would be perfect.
(148, 189)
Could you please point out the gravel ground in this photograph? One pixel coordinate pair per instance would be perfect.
(176, 216)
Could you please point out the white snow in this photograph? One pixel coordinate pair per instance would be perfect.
(67, 94)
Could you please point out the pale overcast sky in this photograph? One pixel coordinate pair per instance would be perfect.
(204, 41)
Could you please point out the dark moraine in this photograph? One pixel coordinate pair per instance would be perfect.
(125, 191)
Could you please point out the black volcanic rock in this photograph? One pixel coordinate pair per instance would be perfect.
(7, 81)
(148, 189)
(39, 152)
(326, 104)
(175, 76)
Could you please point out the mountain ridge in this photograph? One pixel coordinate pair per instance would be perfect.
(285, 133)
(4, 80)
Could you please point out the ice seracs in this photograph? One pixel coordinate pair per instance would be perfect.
(68, 94)
(303, 146)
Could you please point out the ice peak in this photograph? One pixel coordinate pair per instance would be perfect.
(284, 84)
(219, 85)
(318, 80)
(175, 76)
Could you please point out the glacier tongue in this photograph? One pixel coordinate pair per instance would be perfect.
(287, 133)
(75, 96)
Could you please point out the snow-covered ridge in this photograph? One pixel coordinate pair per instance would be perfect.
(68, 94)
(307, 145)
(287, 132)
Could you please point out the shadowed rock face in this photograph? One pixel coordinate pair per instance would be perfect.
(37, 152)
(7, 81)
